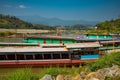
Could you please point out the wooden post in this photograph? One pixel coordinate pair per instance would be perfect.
(69, 55)
(44, 40)
(24, 57)
(33, 57)
(60, 56)
(6, 57)
(60, 41)
(43, 56)
(84, 50)
(15, 56)
(98, 51)
(51, 55)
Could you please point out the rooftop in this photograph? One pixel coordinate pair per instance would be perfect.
(113, 41)
(83, 45)
(50, 49)
(51, 37)
(31, 49)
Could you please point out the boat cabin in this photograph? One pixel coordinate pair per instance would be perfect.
(93, 38)
(49, 54)
(49, 40)
(110, 45)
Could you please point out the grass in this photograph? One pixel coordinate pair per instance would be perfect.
(27, 73)
(54, 71)
(21, 74)
(105, 61)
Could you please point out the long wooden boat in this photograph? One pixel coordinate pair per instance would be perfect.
(48, 54)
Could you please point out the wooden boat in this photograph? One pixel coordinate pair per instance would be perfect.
(110, 45)
(21, 55)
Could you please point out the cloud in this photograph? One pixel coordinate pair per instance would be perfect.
(22, 6)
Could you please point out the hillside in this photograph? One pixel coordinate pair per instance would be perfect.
(110, 26)
(12, 22)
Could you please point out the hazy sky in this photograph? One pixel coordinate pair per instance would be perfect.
(91, 10)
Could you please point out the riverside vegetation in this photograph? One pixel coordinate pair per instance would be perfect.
(100, 66)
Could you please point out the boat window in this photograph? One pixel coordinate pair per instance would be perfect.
(38, 56)
(11, 57)
(20, 57)
(65, 56)
(47, 56)
(29, 57)
(56, 56)
(2, 57)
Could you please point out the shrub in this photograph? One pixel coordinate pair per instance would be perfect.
(105, 61)
(54, 71)
(21, 74)
(50, 70)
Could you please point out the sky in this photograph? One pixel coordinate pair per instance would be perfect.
(90, 10)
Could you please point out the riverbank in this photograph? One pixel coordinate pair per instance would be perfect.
(65, 73)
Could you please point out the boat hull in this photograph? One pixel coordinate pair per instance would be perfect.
(42, 63)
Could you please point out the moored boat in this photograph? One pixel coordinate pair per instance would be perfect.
(48, 54)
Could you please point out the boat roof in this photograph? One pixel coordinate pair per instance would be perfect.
(52, 45)
(113, 41)
(51, 37)
(51, 49)
(31, 49)
(79, 39)
(18, 44)
(83, 45)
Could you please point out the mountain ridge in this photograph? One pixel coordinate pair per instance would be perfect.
(36, 19)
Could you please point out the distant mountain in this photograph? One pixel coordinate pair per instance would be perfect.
(55, 21)
(13, 22)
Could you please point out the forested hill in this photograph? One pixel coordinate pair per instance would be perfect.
(110, 26)
(12, 22)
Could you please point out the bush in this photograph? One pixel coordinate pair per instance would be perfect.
(21, 74)
(3, 34)
(6, 33)
(54, 71)
(105, 61)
